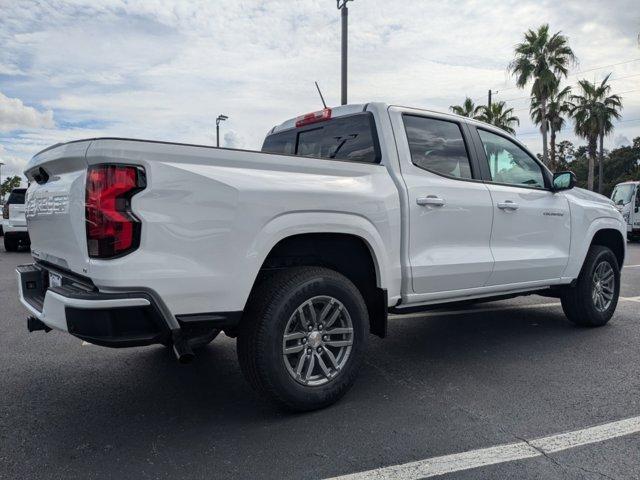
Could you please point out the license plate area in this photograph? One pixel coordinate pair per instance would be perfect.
(55, 280)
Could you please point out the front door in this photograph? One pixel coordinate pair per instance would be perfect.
(531, 223)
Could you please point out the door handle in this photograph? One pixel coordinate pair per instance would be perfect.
(431, 200)
(508, 205)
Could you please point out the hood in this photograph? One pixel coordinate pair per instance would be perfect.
(583, 194)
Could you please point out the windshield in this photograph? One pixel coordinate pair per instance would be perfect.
(622, 194)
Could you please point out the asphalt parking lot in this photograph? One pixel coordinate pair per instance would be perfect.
(499, 373)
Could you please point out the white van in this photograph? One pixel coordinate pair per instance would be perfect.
(626, 196)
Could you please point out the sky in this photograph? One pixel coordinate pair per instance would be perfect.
(163, 70)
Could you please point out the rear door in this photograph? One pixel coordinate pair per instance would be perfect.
(450, 208)
(531, 224)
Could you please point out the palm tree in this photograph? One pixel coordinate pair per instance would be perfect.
(608, 109)
(497, 115)
(467, 109)
(557, 108)
(593, 112)
(584, 110)
(543, 59)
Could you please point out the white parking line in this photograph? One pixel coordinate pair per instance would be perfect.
(456, 462)
(630, 266)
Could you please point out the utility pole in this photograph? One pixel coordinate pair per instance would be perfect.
(344, 13)
(489, 100)
(1, 192)
(221, 118)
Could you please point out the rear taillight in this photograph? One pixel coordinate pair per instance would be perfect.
(5, 211)
(112, 229)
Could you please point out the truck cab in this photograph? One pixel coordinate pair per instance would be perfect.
(626, 197)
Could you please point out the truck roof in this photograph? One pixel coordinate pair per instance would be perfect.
(339, 111)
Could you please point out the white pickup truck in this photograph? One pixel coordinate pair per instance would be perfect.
(301, 250)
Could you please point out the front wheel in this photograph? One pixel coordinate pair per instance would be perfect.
(303, 337)
(593, 300)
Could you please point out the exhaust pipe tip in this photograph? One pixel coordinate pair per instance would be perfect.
(182, 350)
(34, 325)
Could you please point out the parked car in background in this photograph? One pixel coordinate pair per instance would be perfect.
(1, 220)
(626, 197)
(14, 221)
(301, 250)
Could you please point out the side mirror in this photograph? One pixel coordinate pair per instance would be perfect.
(564, 181)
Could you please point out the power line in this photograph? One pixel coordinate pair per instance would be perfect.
(614, 79)
(499, 90)
(604, 66)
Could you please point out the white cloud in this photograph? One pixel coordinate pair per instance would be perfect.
(621, 141)
(15, 115)
(233, 139)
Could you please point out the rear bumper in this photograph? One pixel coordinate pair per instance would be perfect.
(125, 319)
(122, 319)
(18, 231)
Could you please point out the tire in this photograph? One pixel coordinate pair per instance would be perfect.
(274, 309)
(10, 244)
(580, 303)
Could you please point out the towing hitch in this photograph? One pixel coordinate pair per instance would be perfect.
(33, 325)
(182, 350)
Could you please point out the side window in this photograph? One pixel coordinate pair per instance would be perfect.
(509, 163)
(437, 146)
(284, 142)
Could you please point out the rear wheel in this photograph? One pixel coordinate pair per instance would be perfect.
(593, 300)
(303, 337)
(10, 244)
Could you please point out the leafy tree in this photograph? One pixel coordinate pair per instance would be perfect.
(557, 109)
(622, 164)
(543, 59)
(9, 184)
(467, 109)
(499, 116)
(564, 155)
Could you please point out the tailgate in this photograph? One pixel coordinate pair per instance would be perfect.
(55, 206)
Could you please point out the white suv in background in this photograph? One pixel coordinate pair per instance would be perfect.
(14, 222)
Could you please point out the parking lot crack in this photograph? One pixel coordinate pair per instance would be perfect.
(559, 464)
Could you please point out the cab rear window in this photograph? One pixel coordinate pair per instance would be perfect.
(351, 138)
(17, 196)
